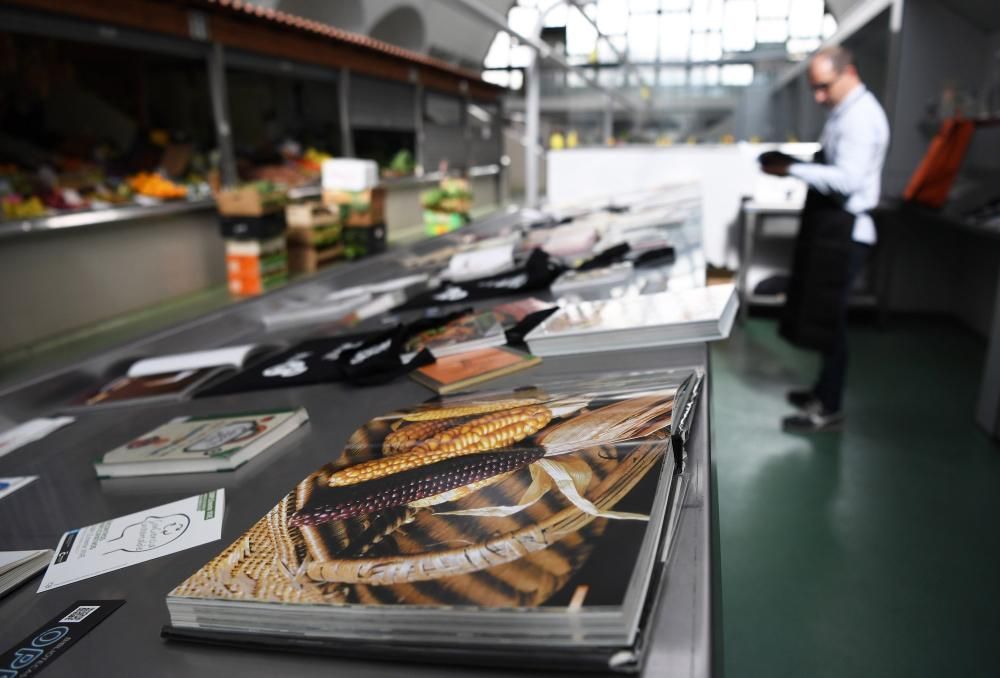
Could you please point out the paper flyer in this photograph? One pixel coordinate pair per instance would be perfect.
(13, 484)
(135, 538)
(30, 431)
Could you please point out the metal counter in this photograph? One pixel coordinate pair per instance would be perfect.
(68, 495)
(15, 227)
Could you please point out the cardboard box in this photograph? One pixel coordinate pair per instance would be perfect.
(320, 237)
(358, 208)
(311, 214)
(248, 202)
(349, 174)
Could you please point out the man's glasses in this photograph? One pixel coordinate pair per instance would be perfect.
(824, 86)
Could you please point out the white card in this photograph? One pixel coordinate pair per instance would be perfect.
(136, 538)
(13, 484)
(30, 431)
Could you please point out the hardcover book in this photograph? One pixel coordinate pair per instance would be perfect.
(168, 377)
(505, 528)
(660, 319)
(198, 444)
(466, 333)
(458, 372)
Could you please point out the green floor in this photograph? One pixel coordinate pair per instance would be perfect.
(872, 552)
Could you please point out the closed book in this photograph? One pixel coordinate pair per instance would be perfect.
(460, 371)
(200, 444)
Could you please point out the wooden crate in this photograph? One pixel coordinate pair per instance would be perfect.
(303, 259)
(311, 214)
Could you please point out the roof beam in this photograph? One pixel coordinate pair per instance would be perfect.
(543, 50)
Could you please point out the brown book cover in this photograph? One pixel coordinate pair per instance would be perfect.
(456, 372)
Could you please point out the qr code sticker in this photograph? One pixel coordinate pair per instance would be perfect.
(80, 613)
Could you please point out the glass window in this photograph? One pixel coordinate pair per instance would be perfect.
(674, 5)
(521, 56)
(706, 46)
(738, 26)
(611, 77)
(605, 53)
(498, 55)
(706, 15)
(516, 79)
(643, 36)
(704, 76)
(675, 36)
(829, 26)
(772, 9)
(805, 20)
(501, 78)
(673, 76)
(523, 20)
(581, 37)
(772, 30)
(643, 6)
(555, 13)
(612, 17)
(799, 47)
(737, 75)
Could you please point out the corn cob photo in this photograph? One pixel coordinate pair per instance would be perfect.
(466, 410)
(488, 432)
(373, 496)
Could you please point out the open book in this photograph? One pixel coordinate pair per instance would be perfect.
(503, 528)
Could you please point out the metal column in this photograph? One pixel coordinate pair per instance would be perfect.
(609, 120)
(532, 113)
(220, 113)
(343, 104)
(419, 136)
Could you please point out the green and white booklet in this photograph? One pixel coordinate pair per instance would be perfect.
(199, 444)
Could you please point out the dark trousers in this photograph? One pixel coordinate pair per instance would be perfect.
(829, 386)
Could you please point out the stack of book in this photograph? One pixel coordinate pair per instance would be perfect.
(16, 567)
(661, 319)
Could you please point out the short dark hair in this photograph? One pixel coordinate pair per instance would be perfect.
(840, 57)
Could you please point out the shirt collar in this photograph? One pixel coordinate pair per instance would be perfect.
(850, 99)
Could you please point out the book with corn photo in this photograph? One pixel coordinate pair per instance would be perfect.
(501, 528)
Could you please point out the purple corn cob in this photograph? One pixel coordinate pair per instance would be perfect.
(372, 496)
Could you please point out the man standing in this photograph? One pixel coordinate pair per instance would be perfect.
(836, 233)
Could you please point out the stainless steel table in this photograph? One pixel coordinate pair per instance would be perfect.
(68, 495)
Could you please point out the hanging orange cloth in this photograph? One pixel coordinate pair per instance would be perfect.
(932, 180)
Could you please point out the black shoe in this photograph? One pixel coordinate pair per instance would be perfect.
(813, 422)
(804, 400)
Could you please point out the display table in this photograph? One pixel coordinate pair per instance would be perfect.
(67, 495)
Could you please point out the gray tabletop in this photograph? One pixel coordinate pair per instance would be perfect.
(68, 495)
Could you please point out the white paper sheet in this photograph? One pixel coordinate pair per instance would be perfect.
(136, 538)
(30, 431)
(13, 484)
(230, 355)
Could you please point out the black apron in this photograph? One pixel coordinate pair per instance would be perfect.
(813, 317)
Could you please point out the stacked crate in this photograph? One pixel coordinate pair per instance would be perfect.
(314, 236)
(252, 222)
(350, 186)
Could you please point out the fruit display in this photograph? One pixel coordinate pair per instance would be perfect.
(447, 206)
(155, 185)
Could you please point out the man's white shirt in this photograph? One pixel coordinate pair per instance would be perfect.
(855, 140)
